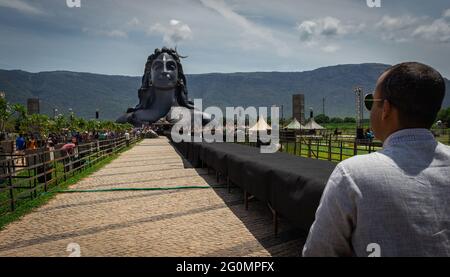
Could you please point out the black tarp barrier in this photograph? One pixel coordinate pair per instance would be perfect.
(292, 185)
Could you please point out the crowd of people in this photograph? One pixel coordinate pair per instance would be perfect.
(32, 142)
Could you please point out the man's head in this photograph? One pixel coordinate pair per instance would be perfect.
(408, 95)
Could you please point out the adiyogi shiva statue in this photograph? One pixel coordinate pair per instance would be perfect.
(163, 94)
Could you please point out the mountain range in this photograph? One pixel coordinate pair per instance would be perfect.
(84, 93)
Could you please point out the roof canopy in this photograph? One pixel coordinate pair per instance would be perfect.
(261, 125)
(313, 125)
(295, 125)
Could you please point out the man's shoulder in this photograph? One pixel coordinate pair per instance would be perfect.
(372, 160)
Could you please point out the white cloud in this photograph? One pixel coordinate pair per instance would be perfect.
(108, 33)
(173, 33)
(397, 29)
(307, 30)
(326, 27)
(133, 22)
(438, 30)
(323, 30)
(21, 6)
(330, 48)
(446, 13)
(116, 33)
(388, 23)
(406, 28)
(253, 36)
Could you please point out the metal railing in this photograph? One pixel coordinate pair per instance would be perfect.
(330, 147)
(24, 177)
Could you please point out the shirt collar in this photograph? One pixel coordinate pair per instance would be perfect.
(408, 135)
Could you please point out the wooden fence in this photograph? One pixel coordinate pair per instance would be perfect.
(328, 148)
(324, 147)
(25, 177)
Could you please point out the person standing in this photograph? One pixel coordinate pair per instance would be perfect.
(127, 138)
(32, 143)
(20, 143)
(394, 202)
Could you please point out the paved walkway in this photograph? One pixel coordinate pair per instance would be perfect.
(198, 222)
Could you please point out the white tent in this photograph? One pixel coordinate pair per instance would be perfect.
(313, 125)
(261, 126)
(295, 125)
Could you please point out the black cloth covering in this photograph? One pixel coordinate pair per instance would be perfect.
(292, 185)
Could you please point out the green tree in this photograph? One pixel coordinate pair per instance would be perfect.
(7, 113)
(336, 120)
(93, 125)
(36, 124)
(321, 119)
(349, 120)
(61, 124)
(444, 116)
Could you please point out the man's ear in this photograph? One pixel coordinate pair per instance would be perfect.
(387, 110)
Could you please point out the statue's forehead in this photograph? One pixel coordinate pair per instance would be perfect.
(164, 57)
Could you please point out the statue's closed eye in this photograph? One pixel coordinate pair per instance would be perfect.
(171, 66)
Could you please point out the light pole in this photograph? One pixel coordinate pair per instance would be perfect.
(323, 106)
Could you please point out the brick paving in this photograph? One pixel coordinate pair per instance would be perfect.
(197, 222)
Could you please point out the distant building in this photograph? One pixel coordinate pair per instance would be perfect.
(33, 106)
(298, 107)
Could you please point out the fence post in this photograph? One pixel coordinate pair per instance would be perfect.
(55, 167)
(34, 173)
(329, 149)
(300, 146)
(355, 148)
(90, 154)
(13, 160)
(64, 166)
(45, 169)
(11, 192)
(340, 152)
(309, 148)
(318, 148)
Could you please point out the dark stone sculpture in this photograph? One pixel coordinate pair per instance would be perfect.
(163, 88)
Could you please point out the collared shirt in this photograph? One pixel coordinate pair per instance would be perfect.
(395, 202)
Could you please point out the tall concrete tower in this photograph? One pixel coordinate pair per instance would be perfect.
(33, 106)
(298, 107)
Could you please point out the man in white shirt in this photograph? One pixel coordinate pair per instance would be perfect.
(395, 202)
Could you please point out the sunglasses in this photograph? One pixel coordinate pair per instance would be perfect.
(369, 99)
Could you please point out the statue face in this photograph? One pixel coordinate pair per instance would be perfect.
(164, 72)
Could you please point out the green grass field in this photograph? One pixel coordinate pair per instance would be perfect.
(443, 136)
(324, 152)
(334, 152)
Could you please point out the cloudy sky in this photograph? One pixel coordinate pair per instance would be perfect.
(116, 36)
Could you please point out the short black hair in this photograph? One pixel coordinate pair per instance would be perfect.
(416, 90)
